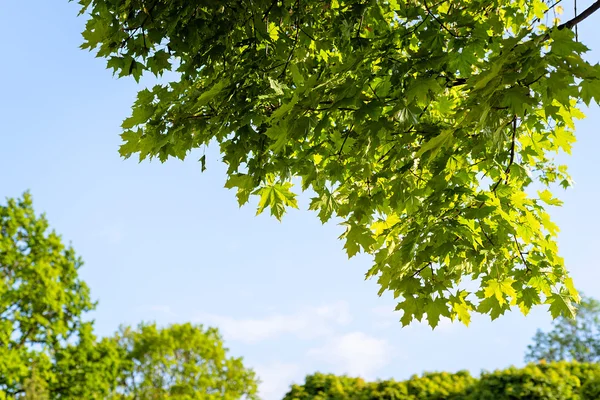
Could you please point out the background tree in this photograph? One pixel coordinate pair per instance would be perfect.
(42, 304)
(421, 124)
(570, 339)
(181, 361)
(88, 368)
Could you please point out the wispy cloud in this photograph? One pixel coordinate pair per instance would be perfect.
(355, 353)
(309, 323)
(276, 379)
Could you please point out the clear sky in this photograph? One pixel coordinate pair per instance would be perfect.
(168, 243)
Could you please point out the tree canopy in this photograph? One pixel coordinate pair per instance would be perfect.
(181, 361)
(570, 339)
(48, 351)
(429, 128)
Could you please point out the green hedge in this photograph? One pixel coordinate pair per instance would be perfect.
(556, 381)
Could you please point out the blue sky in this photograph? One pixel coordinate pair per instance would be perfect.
(169, 243)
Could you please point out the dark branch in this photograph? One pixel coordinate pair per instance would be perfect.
(521, 254)
(266, 14)
(417, 272)
(339, 154)
(438, 21)
(577, 19)
(512, 154)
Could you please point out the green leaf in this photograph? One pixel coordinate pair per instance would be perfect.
(357, 237)
(435, 144)
(435, 309)
(276, 196)
(590, 89)
(560, 306)
(546, 197)
(421, 88)
(570, 286)
(462, 311)
(245, 185)
(326, 205)
(410, 306)
(211, 93)
(528, 298)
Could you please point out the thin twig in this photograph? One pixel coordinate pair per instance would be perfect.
(512, 155)
(339, 154)
(438, 21)
(521, 254)
(372, 90)
(420, 270)
(575, 13)
(266, 14)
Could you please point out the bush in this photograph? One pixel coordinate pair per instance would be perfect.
(555, 381)
(591, 390)
(534, 382)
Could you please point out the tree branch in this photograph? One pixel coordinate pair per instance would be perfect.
(512, 154)
(577, 19)
(521, 254)
(339, 154)
(440, 22)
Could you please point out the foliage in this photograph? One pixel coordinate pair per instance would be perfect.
(430, 386)
(321, 387)
(555, 381)
(87, 369)
(570, 339)
(591, 390)
(422, 125)
(181, 361)
(41, 298)
(534, 382)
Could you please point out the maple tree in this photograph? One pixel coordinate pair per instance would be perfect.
(425, 126)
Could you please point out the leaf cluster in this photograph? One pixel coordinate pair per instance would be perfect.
(423, 126)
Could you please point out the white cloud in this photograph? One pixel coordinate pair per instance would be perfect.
(355, 354)
(276, 379)
(306, 324)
